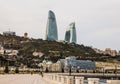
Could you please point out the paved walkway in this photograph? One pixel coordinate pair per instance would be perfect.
(22, 79)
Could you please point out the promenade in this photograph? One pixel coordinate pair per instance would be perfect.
(56, 78)
(22, 79)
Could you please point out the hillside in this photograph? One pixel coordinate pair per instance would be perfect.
(52, 50)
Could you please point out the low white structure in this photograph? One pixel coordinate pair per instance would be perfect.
(11, 52)
(113, 81)
(93, 80)
(79, 80)
(59, 79)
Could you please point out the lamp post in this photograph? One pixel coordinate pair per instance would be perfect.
(41, 68)
(70, 70)
(69, 64)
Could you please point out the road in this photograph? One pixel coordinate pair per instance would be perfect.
(22, 79)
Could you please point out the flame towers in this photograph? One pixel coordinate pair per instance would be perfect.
(51, 28)
(70, 35)
(52, 33)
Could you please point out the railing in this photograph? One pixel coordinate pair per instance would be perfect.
(61, 79)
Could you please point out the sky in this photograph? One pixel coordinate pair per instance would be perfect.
(97, 21)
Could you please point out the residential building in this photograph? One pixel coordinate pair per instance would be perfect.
(9, 33)
(114, 52)
(107, 51)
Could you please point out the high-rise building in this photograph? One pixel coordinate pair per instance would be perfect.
(51, 28)
(70, 35)
(67, 36)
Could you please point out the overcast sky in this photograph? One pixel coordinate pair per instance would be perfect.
(97, 21)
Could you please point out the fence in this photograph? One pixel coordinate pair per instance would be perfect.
(61, 79)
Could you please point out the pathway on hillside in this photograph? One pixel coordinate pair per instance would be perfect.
(22, 79)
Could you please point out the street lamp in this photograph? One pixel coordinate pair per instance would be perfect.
(41, 68)
(70, 70)
(69, 66)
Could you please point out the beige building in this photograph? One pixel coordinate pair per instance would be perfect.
(1, 52)
(106, 51)
(114, 52)
(110, 52)
(107, 65)
(54, 67)
(98, 50)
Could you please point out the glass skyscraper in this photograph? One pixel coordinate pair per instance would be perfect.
(70, 35)
(51, 28)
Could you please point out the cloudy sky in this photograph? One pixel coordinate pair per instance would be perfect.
(97, 21)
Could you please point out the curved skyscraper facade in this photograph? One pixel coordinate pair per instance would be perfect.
(51, 28)
(67, 36)
(70, 35)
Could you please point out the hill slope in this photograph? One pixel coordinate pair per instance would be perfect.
(52, 50)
